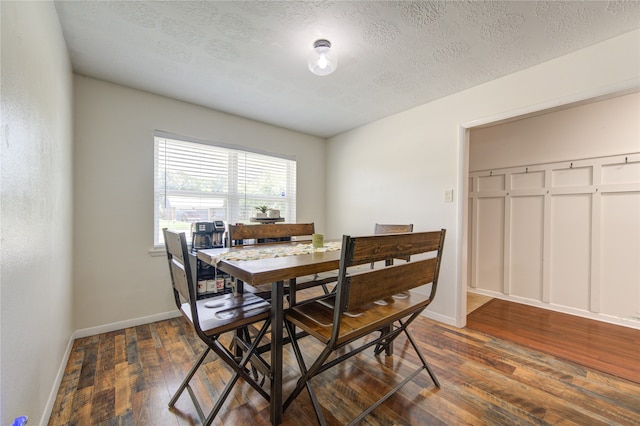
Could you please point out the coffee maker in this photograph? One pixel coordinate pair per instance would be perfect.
(205, 235)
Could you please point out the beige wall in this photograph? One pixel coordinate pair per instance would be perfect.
(398, 168)
(598, 129)
(35, 209)
(116, 280)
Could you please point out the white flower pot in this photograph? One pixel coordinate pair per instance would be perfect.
(274, 214)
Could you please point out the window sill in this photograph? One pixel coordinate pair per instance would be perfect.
(157, 252)
(161, 251)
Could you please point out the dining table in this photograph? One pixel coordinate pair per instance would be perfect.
(274, 264)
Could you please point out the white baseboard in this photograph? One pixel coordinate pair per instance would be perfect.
(439, 317)
(92, 331)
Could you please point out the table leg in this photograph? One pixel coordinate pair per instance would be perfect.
(239, 288)
(389, 348)
(277, 322)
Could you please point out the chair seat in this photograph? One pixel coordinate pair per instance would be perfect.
(228, 312)
(316, 317)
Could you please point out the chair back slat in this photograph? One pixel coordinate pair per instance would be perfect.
(238, 233)
(379, 284)
(174, 245)
(180, 281)
(388, 228)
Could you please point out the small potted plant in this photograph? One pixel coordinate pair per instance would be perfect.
(262, 212)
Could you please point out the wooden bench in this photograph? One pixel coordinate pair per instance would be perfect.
(367, 302)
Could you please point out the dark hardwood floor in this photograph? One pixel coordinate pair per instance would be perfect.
(610, 348)
(127, 377)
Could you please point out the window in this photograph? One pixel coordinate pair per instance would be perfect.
(199, 181)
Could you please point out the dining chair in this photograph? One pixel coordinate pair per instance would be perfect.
(364, 303)
(211, 318)
(261, 234)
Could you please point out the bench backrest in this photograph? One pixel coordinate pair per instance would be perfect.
(369, 285)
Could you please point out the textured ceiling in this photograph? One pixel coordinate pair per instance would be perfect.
(249, 58)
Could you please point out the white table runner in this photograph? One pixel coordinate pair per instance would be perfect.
(275, 251)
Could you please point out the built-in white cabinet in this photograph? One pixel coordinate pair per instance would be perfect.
(563, 235)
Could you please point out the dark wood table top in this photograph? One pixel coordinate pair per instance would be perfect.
(263, 271)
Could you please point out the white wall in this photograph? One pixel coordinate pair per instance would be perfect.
(397, 169)
(35, 208)
(116, 279)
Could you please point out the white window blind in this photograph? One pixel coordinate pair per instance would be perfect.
(198, 181)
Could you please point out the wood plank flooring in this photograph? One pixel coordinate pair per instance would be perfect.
(474, 301)
(127, 377)
(610, 348)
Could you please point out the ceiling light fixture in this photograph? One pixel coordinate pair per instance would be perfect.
(322, 61)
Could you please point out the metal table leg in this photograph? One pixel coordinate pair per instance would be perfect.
(277, 322)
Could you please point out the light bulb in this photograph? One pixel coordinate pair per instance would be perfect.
(322, 60)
